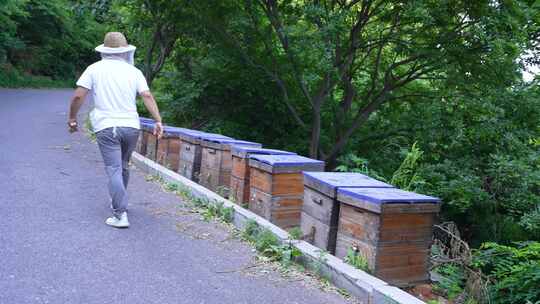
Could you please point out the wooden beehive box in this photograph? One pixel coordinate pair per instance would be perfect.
(168, 149)
(240, 170)
(320, 211)
(143, 138)
(190, 155)
(151, 140)
(277, 186)
(216, 162)
(391, 228)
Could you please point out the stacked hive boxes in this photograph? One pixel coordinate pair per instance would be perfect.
(188, 143)
(240, 175)
(190, 155)
(391, 228)
(149, 140)
(343, 213)
(320, 210)
(168, 149)
(143, 138)
(216, 162)
(277, 188)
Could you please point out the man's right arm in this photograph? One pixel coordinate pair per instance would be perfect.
(75, 104)
(151, 106)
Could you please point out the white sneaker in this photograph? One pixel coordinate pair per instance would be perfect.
(121, 222)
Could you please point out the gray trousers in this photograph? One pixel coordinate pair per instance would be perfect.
(116, 145)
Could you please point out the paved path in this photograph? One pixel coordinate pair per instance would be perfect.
(55, 247)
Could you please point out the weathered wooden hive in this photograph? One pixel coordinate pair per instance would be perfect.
(391, 228)
(151, 140)
(320, 211)
(277, 187)
(143, 138)
(190, 152)
(168, 149)
(216, 162)
(240, 170)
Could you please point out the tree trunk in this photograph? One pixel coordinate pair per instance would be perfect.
(315, 134)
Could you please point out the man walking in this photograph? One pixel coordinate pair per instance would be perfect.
(114, 83)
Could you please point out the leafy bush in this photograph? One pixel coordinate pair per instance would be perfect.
(48, 40)
(353, 163)
(452, 282)
(513, 270)
(406, 176)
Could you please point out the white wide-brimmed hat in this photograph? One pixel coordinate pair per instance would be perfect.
(116, 43)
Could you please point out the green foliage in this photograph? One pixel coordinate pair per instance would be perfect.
(452, 282)
(251, 229)
(217, 210)
(406, 176)
(210, 211)
(482, 165)
(201, 202)
(223, 191)
(11, 77)
(353, 163)
(173, 187)
(10, 11)
(357, 259)
(226, 214)
(47, 41)
(296, 233)
(514, 271)
(268, 245)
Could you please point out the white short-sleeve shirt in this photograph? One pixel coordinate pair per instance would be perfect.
(114, 85)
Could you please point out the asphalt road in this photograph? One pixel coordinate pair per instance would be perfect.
(55, 247)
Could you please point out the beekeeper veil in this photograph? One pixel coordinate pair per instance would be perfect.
(115, 46)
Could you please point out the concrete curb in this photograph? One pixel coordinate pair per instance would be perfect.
(366, 288)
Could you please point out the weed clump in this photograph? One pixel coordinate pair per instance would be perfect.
(268, 245)
(217, 210)
(296, 233)
(357, 259)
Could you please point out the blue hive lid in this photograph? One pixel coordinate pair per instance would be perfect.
(243, 151)
(228, 140)
(285, 160)
(145, 119)
(285, 163)
(374, 198)
(169, 131)
(222, 143)
(147, 125)
(204, 135)
(190, 132)
(196, 134)
(329, 182)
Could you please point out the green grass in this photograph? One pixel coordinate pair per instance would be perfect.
(13, 78)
